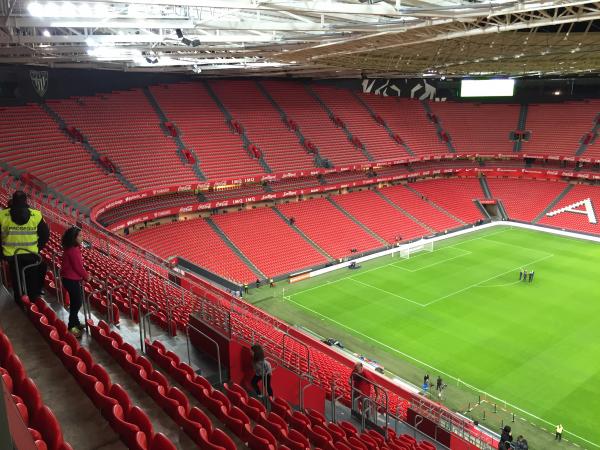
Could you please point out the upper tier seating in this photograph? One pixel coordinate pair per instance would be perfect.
(124, 127)
(455, 196)
(575, 221)
(421, 210)
(408, 119)
(268, 241)
(478, 128)
(263, 125)
(197, 242)
(549, 132)
(204, 128)
(33, 142)
(524, 199)
(379, 143)
(314, 122)
(333, 231)
(379, 216)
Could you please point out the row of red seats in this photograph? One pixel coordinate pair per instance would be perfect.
(129, 422)
(171, 399)
(281, 427)
(43, 425)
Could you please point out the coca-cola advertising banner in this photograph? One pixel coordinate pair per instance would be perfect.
(466, 172)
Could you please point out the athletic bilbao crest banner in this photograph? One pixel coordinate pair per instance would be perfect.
(39, 79)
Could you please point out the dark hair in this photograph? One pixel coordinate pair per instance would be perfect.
(258, 354)
(19, 200)
(69, 238)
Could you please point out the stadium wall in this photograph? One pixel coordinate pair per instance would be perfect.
(17, 88)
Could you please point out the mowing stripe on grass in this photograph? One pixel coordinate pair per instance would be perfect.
(424, 364)
(466, 252)
(387, 292)
(489, 279)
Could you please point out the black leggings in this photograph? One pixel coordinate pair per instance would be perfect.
(256, 379)
(73, 287)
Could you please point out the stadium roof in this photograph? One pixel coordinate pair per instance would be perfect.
(318, 38)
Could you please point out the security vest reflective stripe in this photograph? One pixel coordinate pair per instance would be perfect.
(16, 236)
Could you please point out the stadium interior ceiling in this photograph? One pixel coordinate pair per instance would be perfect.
(306, 38)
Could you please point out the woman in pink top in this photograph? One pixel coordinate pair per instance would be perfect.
(72, 273)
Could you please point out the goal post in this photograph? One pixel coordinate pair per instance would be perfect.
(422, 245)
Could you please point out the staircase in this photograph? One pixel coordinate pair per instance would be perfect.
(355, 220)
(318, 160)
(553, 203)
(178, 141)
(403, 211)
(521, 126)
(439, 127)
(95, 153)
(484, 186)
(583, 147)
(236, 250)
(245, 141)
(385, 125)
(301, 233)
(502, 210)
(330, 113)
(436, 206)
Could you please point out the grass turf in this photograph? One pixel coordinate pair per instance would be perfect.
(461, 311)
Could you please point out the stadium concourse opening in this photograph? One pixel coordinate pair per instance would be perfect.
(437, 204)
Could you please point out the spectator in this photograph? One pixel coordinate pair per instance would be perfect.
(72, 273)
(559, 430)
(361, 384)
(521, 443)
(23, 228)
(262, 370)
(505, 438)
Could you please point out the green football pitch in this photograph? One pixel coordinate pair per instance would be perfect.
(461, 312)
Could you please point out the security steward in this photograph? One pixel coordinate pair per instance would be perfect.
(23, 228)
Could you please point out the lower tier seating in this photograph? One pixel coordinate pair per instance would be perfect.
(195, 241)
(333, 231)
(455, 196)
(381, 217)
(415, 205)
(268, 241)
(577, 221)
(524, 199)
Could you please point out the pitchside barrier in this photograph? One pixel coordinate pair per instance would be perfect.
(429, 244)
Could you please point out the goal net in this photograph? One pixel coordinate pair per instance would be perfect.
(415, 247)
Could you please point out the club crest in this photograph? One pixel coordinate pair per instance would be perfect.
(39, 79)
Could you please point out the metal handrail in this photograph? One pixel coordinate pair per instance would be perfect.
(22, 284)
(143, 318)
(187, 340)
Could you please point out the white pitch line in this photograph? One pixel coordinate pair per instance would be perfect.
(387, 292)
(467, 252)
(324, 317)
(489, 279)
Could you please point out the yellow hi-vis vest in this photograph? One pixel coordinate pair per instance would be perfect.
(19, 236)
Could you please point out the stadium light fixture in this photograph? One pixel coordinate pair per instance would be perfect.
(557, 92)
(46, 33)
